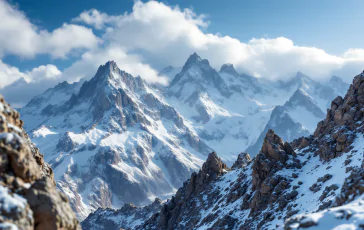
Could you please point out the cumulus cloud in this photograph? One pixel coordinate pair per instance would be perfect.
(18, 36)
(96, 19)
(86, 67)
(165, 35)
(152, 36)
(22, 86)
(9, 74)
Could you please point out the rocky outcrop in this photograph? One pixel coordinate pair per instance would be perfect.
(285, 185)
(352, 187)
(126, 217)
(172, 212)
(28, 197)
(109, 131)
(268, 186)
(335, 134)
(242, 161)
(282, 123)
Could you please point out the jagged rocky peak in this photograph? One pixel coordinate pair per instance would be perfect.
(28, 196)
(173, 210)
(198, 76)
(274, 148)
(299, 95)
(334, 134)
(335, 79)
(229, 68)
(214, 164)
(243, 160)
(299, 80)
(108, 66)
(193, 58)
(302, 99)
(111, 71)
(271, 187)
(211, 169)
(166, 71)
(272, 158)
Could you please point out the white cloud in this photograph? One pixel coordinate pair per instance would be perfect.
(20, 87)
(9, 74)
(164, 35)
(96, 19)
(18, 36)
(86, 67)
(154, 35)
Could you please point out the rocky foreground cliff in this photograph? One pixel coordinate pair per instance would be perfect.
(28, 196)
(312, 182)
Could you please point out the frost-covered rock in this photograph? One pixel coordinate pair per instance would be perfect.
(28, 196)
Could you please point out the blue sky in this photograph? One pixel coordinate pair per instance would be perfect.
(44, 42)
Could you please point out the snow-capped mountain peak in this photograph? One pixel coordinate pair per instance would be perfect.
(193, 60)
(119, 138)
(197, 76)
(228, 68)
(114, 141)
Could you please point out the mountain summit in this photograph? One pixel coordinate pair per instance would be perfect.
(114, 140)
(308, 183)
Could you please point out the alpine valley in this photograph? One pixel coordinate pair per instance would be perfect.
(213, 149)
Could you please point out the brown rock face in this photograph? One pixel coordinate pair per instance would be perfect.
(172, 212)
(242, 161)
(272, 158)
(334, 134)
(270, 188)
(26, 182)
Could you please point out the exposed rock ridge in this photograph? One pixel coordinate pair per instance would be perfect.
(274, 156)
(126, 217)
(242, 161)
(173, 210)
(335, 134)
(28, 197)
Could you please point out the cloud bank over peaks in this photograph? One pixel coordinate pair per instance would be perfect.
(150, 30)
(150, 37)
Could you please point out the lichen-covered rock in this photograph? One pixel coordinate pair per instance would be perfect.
(28, 196)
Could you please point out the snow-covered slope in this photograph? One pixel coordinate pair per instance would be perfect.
(232, 112)
(116, 139)
(127, 217)
(297, 117)
(314, 182)
(170, 72)
(112, 140)
(221, 113)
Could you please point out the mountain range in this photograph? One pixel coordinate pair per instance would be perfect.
(313, 182)
(116, 139)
